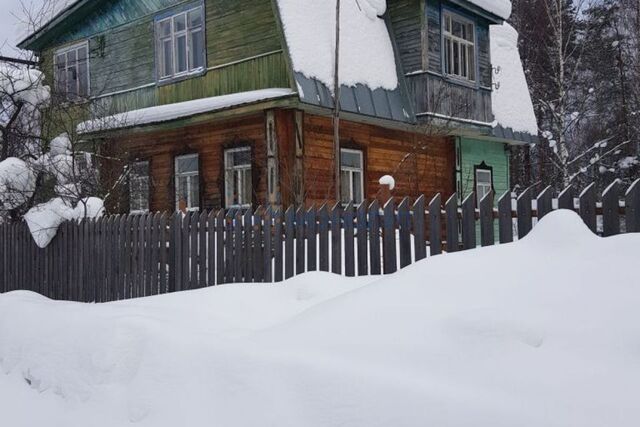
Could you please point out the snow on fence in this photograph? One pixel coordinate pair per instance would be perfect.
(121, 257)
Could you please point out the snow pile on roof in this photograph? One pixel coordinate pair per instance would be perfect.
(500, 8)
(511, 101)
(43, 220)
(17, 183)
(366, 52)
(179, 110)
(547, 335)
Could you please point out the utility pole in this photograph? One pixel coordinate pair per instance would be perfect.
(336, 110)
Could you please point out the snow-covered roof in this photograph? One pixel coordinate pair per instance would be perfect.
(500, 8)
(511, 101)
(164, 113)
(366, 51)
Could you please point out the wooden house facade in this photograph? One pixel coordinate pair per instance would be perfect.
(199, 104)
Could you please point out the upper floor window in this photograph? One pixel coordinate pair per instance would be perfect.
(238, 177)
(352, 176)
(180, 43)
(71, 66)
(188, 182)
(459, 47)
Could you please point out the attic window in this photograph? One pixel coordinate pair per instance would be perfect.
(72, 71)
(459, 47)
(180, 43)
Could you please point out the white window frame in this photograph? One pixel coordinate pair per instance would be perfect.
(351, 170)
(464, 45)
(236, 171)
(190, 177)
(133, 177)
(64, 51)
(486, 187)
(174, 35)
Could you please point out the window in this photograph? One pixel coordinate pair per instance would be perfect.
(187, 182)
(484, 183)
(352, 176)
(459, 47)
(180, 43)
(72, 71)
(238, 178)
(139, 188)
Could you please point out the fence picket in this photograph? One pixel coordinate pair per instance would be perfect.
(505, 220)
(258, 248)
(238, 248)
(247, 266)
(524, 213)
(544, 203)
(469, 222)
(289, 231)
(435, 225)
(323, 234)
(419, 229)
(487, 230)
(349, 246)
(211, 249)
(268, 246)
(588, 207)
(452, 226)
(336, 239)
(404, 228)
(611, 210)
(632, 208)
(277, 246)
(202, 249)
(374, 238)
(221, 247)
(362, 239)
(312, 248)
(565, 199)
(389, 238)
(300, 241)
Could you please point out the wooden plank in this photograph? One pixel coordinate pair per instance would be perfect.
(203, 248)
(289, 232)
(220, 247)
(588, 207)
(278, 250)
(258, 248)
(229, 264)
(524, 213)
(175, 269)
(404, 227)
(248, 245)
(565, 199)
(142, 228)
(469, 222)
(435, 225)
(211, 249)
(505, 218)
(348, 216)
(323, 231)
(389, 238)
(611, 210)
(632, 207)
(300, 241)
(312, 239)
(419, 228)
(238, 247)
(186, 252)
(544, 202)
(362, 239)
(374, 238)
(451, 215)
(164, 266)
(268, 245)
(336, 239)
(194, 256)
(154, 249)
(487, 230)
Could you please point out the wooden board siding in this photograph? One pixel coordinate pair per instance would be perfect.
(209, 141)
(429, 172)
(493, 154)
(406, 24)
(244, 52)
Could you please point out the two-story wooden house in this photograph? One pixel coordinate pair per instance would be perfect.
(213, 103)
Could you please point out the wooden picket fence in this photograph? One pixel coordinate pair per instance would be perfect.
(130, 256)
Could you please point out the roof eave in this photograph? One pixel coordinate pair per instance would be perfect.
(28, 42)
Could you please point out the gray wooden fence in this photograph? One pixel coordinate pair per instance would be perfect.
(130, 256)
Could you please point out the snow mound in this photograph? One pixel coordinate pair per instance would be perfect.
(388, 180)
(500, 8)
(17, 183)
(521, 334)
(366, 52)
(511, 100)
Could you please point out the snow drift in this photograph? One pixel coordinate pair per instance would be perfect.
(542, 332)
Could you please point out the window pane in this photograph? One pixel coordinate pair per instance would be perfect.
(83, 79)
(179, 23)
(187, 164)
(357, 187)
(181, 54)
(457, 29)
(196, 50)
(456, 58)
(61, 73)
(194, 199)
(470, 35)
(72, 82)
(181, 189)
(164, 28)
(246, 187)
(472, 63)
(82, 53)
(235, 158)
(463, 63)
(167, 57)
(71, 57)
(345, 183)
(351, 159)
(195, 18)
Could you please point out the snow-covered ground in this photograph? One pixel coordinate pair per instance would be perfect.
(542, 332)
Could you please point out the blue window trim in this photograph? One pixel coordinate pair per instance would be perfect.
(164, 15)
(454, 11)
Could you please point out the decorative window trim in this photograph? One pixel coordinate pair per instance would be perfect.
(352, 170)
(483, 167)
(148, 183)
(471, 69)
(234, 169)
(174, 35)
(192, 205)
(64, 51)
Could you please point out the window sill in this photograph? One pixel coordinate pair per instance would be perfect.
(181, 77)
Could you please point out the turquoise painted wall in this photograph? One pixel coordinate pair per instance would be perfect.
(471, 153)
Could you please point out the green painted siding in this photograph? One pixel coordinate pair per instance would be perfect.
(471, 153)
(244, 52)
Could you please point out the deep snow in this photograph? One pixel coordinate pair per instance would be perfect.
(542, 332)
